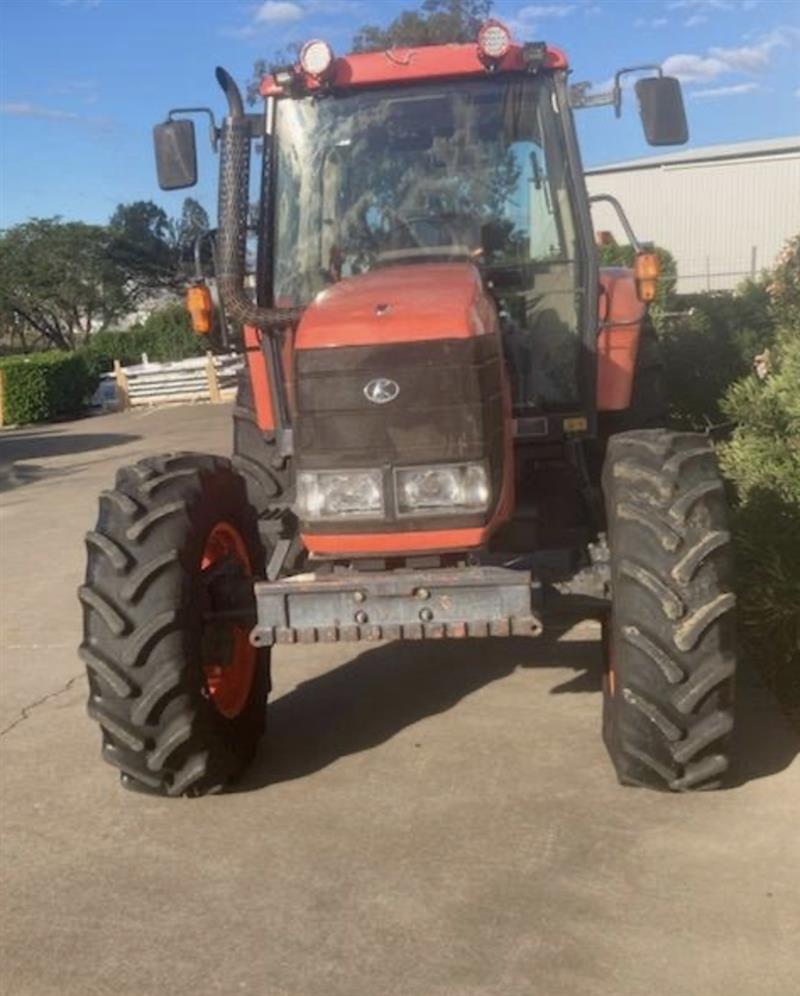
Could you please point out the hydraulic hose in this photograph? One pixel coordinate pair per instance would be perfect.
(234, 188)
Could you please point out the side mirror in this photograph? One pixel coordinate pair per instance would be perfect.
(176, 154)
(661, 108)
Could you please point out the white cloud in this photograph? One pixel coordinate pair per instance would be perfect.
(726, 91)
(272, 14)
(748, 59)
(659, 22)
(693, 68)
(797, 93)
(695, 20)
(278, 12)
(26, 109)
(540, 11)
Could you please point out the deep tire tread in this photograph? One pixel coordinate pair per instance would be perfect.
(143, 626)
(668, 713)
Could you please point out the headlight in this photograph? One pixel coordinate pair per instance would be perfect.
(450, 488)
(324, 494)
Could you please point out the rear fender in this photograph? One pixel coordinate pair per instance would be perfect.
(621, 316)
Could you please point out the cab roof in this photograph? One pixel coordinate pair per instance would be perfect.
(414, 65)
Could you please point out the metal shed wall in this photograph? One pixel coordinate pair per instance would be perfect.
(723, 214)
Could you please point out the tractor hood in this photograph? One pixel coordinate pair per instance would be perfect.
(395, 304)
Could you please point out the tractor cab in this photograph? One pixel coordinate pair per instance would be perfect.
(472, 172)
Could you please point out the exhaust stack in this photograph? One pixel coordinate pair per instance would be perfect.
(234, 187)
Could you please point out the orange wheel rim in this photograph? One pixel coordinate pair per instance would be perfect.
(229, 681)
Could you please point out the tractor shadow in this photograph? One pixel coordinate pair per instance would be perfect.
(22, 449)
(367, 700)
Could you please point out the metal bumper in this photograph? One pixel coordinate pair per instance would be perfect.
(395, 605)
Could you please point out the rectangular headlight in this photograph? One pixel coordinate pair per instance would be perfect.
(324, 494)
(438, 490)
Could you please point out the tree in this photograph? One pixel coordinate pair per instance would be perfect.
(143, 244)
(143, 222)
(285, 56)
(60, 278)
(436, 22)
(65, 280)
(192, 224)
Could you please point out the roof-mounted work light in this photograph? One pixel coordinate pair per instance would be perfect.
(534, 56)
(494, 40)
(316, 58)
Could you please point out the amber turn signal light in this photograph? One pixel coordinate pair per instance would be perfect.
(200, 308)
(647, 270)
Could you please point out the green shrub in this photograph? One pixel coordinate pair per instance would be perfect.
(764, 451)
(44, 386)
(165, 335)
(762, 459)
(784, 286)
(709, 341)
(105, 347)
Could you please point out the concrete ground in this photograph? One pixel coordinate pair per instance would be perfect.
(421, 820)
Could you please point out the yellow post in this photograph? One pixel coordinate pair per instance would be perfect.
(123, 397)
(213, 380)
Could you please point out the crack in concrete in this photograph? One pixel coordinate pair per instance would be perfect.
(26, 710)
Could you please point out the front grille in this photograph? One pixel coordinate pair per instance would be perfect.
(449, 409)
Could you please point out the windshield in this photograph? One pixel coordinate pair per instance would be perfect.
(473, 169)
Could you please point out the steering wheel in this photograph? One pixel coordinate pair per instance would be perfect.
(407, 224)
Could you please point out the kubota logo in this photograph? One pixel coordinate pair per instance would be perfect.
(381, 391)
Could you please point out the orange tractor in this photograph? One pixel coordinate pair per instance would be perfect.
(450, 425)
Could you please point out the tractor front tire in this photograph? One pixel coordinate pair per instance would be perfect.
(670, 646)
(180, 696)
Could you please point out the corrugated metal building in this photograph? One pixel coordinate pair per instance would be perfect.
(724, 212)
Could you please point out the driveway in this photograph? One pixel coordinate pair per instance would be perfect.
(421, 820)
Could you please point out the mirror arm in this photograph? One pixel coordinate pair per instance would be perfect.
(213, 130)
(580, 95)
(617, 91)
(623, 218)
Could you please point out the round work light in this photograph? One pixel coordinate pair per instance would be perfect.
(316, 58)
(494, 40)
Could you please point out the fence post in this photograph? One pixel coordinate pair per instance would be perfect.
(213, 380)
(121, 378)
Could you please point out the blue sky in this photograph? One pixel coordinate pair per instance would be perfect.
(83, 81)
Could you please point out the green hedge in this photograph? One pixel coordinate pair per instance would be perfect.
(44, 386)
